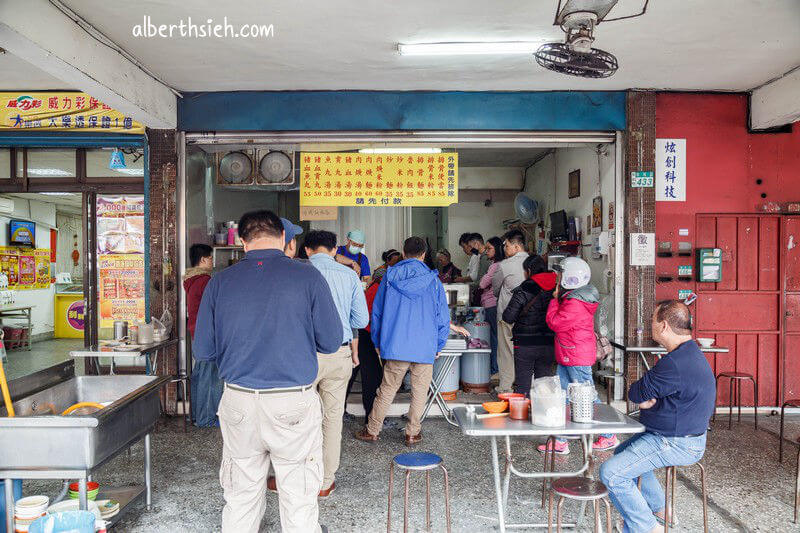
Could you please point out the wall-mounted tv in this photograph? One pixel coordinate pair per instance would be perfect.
(21, 233)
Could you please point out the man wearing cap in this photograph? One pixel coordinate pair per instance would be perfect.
(354, 251)
(264, 320)
(292, 231)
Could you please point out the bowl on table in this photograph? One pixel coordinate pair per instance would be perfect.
(705, 342)
(506, 396)
(495, 407)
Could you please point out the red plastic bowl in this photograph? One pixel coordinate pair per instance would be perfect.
(91, 485)
(508, 395)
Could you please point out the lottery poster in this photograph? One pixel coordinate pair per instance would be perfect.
(42, 258)
(9, 264)
(121, 288)
(27, 270)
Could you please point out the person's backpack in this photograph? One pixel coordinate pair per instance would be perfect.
(603, 347)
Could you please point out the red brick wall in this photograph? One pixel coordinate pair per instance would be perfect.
(163, 242)
(640, 217)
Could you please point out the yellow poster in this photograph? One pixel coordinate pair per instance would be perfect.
(42, 257)
(389, 180)
(61, 111)
(9, 265)
(120, 288)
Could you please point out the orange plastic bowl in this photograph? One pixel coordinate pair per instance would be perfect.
(508, 395)
(90, 485)
(495, 407)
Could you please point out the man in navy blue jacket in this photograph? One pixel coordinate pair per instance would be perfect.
(676, 398)
(410, 325)
(263, 320)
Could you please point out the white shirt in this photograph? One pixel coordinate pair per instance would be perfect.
(472, 267)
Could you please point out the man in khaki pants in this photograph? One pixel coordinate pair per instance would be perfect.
(335, 369)
(410, 326)
(508, 276)
(263, 320)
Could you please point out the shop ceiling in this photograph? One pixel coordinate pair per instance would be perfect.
(317, 44)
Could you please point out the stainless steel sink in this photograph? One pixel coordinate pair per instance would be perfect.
(39, 439)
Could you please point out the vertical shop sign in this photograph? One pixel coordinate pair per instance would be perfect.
(670, 170)
(120, 248)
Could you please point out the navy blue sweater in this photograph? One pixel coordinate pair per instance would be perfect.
(683, 385)
(264, 319)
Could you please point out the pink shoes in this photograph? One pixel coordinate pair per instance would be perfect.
(605, 443)
(561, 448)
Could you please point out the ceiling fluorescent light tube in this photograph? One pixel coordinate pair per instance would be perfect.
(400, 151)
(477, 48)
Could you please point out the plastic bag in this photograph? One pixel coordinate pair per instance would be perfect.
(548, 402)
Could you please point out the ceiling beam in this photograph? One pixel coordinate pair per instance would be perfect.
(41, 34)
(776, 103)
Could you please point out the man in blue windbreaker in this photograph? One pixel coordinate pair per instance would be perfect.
(410, 325)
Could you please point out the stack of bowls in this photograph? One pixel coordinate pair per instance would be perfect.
(92, 488)
(27, 510)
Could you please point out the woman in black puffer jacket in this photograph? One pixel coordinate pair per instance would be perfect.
(534, 351)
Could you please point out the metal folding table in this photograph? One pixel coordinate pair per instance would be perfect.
(606, 420)
(448, 357)
(116, 350)
(19, 311)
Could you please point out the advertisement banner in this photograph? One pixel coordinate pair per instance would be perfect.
(42, 257)
(62, 111)
(27, 270)
(121, 288)
(120, 248)
(378, 180)
(9, 265)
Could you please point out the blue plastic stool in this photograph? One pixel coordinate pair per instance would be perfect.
(423, 462)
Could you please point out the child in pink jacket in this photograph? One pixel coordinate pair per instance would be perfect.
(571, 316)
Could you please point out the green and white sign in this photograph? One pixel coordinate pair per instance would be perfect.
(642, 179)
(685, 270)
(684, 293)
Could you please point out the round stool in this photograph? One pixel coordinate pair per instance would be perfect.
(735, 380)
(580, 489)
(669, 495)
(423, 462)
(609, 376)
(787, 403)
(549, 459)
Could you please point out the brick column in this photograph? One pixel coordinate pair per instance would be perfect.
(164, 277)
(640, 217)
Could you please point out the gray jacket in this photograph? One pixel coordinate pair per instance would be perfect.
(508, 276)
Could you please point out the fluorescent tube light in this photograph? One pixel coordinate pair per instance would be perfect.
(478, 48)
(400, 151)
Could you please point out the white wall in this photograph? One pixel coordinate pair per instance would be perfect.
(41, 300)
(548, 183)
(69, 225)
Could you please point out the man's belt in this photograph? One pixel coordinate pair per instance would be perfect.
(269, 391)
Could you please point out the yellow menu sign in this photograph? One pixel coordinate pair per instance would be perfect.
(62, 111)
(399, 180)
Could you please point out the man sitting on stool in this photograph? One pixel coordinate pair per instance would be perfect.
(677, 398)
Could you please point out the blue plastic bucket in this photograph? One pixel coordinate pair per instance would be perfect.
(64, 522)
(17, 484)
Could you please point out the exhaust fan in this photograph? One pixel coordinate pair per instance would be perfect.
(575, 56)
(257, 168)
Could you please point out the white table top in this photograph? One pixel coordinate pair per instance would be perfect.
(606, 420)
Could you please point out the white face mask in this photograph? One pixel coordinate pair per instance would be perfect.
(355, 250)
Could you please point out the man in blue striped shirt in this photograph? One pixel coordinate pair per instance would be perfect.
(335, 369)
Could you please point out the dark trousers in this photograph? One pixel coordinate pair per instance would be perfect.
(530, 361)
(370, 368)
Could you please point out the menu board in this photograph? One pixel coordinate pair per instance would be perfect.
(25, 268)
(120, 249)
(387, 180)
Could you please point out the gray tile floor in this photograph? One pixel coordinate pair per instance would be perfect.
(748, 489)
(42, 355)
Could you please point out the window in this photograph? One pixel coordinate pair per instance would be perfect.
(98, 162)
(5, 163)
(52, 163)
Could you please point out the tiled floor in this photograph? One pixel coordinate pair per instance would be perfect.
(42, 355)
(748, 489)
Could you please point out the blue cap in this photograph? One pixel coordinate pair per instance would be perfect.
(356, 236)
(291, 230)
